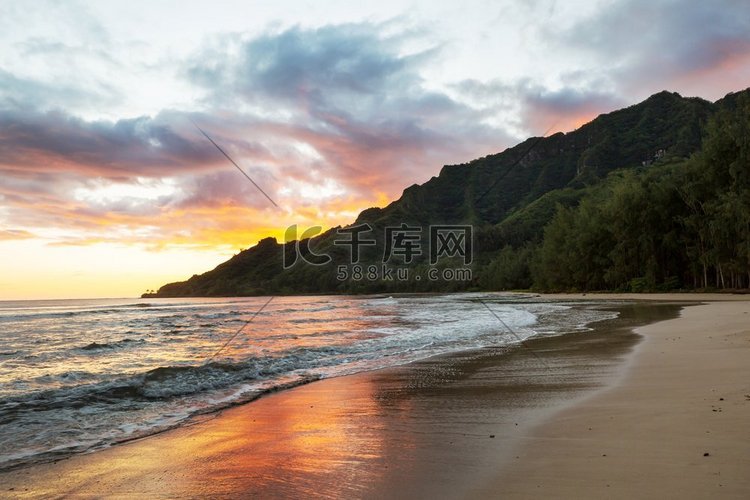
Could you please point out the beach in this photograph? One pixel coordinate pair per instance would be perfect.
(677, 425)
(607, 413)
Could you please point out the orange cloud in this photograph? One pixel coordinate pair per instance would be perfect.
(14, 234)
(729, 74)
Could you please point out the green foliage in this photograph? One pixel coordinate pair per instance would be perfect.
(670, 225)
(642, 284)
(655, 196)
(509, 270)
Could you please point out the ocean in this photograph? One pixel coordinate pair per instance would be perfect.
(79, 375)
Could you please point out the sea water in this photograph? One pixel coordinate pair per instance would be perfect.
(77, 375)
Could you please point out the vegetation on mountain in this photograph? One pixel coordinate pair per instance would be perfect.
(655, 196)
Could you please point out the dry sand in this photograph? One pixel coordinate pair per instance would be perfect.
(677, 425)
(453, 426)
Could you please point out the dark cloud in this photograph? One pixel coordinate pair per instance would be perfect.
(352, 95)
(345, 91)
(295, 108)
(344, 80)
(539, 109)
(223, 189)
(47, 158)
(647, 42)
(320, 67)
(565, 108)
(55, 141)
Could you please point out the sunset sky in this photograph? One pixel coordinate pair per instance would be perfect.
(107, 188)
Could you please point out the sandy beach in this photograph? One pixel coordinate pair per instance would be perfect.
(676, 425)
(606, 413)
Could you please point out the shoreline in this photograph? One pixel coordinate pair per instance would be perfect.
(380, 433)
(675, 425)
(212, 412)
(385, 432)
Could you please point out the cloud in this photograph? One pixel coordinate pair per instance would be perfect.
(57, 141)
(652, 44)
(222, 188)
(321, 68)
(24, 93)
(353, 97)
(537, 109)
(566, 108)
(15, 234)
(327, 120)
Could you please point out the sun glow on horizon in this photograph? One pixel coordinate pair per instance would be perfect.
(54, 264)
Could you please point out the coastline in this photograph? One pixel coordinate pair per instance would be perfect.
(676, 425)
(378, 433)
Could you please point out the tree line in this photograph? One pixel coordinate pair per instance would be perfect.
(676, 223)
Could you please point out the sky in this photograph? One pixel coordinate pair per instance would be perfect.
(108, 188)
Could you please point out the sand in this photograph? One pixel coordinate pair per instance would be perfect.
(676, 425)
(530, 422)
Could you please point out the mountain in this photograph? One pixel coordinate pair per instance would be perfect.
(510, 200)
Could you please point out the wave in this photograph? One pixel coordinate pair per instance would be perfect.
(52, 313)
(90, 443)
(167, 382)
(326, 307)
(181, 311)
(178, 382)
(96, 346)
(139, 395)
(34, 315)
(381, 301)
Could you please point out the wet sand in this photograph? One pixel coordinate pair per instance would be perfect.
(677, 425)
(446, 427)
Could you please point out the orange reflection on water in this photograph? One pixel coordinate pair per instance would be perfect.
(290, 323)
(327, 438)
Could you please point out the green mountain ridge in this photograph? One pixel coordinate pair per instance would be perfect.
(512, 199)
